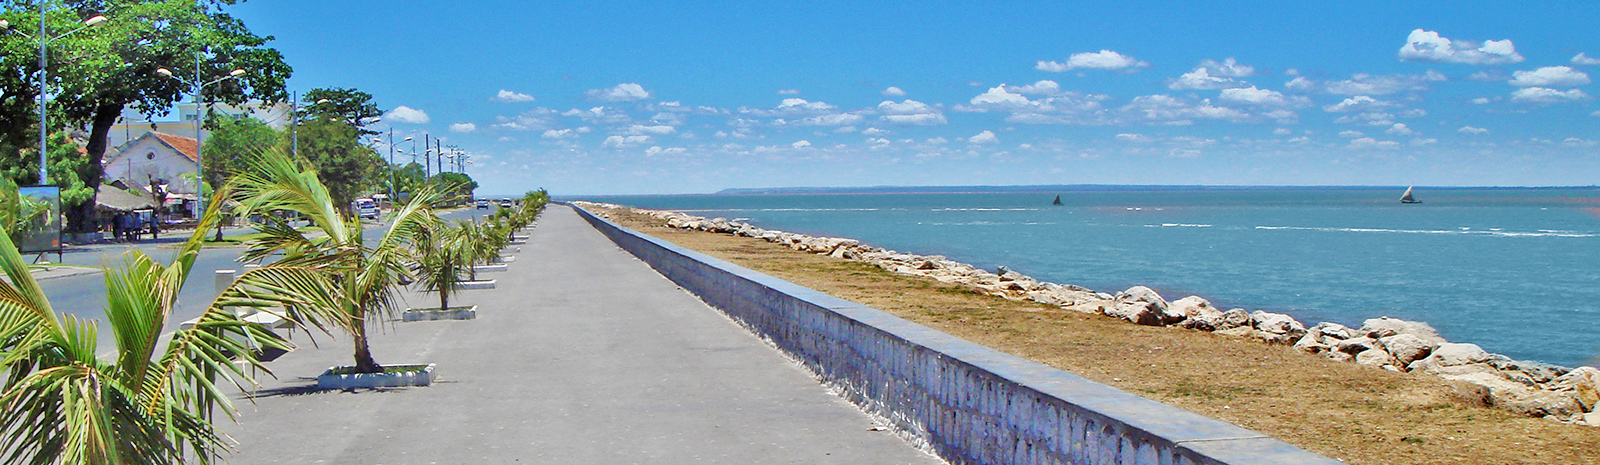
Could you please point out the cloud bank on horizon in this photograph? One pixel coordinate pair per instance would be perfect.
(1433, 106)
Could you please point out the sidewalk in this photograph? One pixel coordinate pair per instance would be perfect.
(582, 355)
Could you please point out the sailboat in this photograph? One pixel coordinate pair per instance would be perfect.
(1408, 198)
(1058, 200)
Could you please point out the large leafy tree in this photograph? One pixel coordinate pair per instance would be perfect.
(353, 107)
(63, 403)
(369, 273)
(347, 167)
(230, 142)
(114, 67)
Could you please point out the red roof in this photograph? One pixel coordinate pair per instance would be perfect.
(184, 145)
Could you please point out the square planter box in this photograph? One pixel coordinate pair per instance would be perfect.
(507, 258)
(515, 237)
(518, 242)
(471, 285)
(428, 314)
(422, 376)
(488, 268)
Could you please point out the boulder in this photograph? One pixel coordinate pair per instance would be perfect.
(1237, 331)
(1235, 318)
(1529, 373)
(1142, 294)
(1358, 345)
(1189, 306)
(1277, 323)
(1339, 356)
(1312, 342)
(1584, 384)
(1203, 319)
(1407, 348)
(1333, 330)
(1384, 327)
(1539, 403)
(1273, 338)
(1376, 358)
(1451, 354)
(1140, 312)
(1592, 418)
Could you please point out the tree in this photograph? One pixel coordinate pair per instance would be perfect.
(460, 184)
(351, 106)
(114, 66)
(444, 255)
(63, 403)
(346, 167)
(231, 141)
(367, 275)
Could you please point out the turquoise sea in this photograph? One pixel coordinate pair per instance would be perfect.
(1516, 271)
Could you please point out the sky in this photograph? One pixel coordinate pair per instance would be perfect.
(623, 97)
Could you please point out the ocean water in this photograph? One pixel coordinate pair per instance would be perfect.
(1516, 271)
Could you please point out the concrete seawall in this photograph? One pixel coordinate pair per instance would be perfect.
(966, 402)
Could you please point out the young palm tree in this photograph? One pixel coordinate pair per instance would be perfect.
(368, 274)
(443, 257)
(62, 403)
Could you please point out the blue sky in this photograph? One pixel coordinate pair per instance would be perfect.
(694, 97)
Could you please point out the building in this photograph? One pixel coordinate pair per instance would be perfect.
(133, 124)
(159, 163)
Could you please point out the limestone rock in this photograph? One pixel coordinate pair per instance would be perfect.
(1407, 347)
(1451, 354)
(1333, 330)
(1140, 312)
(1385, 327)
(1357, 345)
(1237, 331)
(1312, 342)
(1376, 358)
(1235, 318)
(1277, 323)
(1189, 306)
(1539, 403)
(1584, 383)
(1204, 319)
(1142, 294)
(1529, 373)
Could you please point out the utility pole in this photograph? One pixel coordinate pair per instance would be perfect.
(427, 166)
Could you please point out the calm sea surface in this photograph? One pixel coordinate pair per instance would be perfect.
(1516, 271)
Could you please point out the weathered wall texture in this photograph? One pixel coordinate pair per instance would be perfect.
(966, 402)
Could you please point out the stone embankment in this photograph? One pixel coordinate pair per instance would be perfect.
(1531, 388)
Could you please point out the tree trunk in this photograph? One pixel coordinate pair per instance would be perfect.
(82, 218)
(364, 361)
(444, 300)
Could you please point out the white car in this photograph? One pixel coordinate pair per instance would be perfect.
(367, 208)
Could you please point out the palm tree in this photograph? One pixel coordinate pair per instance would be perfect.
(65, 404)
(368, 274)
(443, 255)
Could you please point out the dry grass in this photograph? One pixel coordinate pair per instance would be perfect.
(1340, 410)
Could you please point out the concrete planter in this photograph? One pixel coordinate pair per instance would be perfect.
(488, 268)
(430, 314)
(422, 377)
(518, 242)
(475, 285)
(515, 237)
(506, 258)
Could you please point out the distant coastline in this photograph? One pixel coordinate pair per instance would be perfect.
(1061, 188)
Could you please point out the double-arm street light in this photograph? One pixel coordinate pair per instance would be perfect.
(44, 39)
(199, 118)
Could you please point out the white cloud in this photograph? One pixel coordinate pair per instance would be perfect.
(1584, 60)
(1550, 76)
(511, 97)
(1043, 87)
(910, 112)
(1580, 142)
(1104, 59)
(656, 150)
(1282, 131)
(622, 142)
(1000, 97)
(984, 137)
(1257, 96)
(878, 141)
(1130, 137)
(1357, 103)
(802, 104)
(1228, 68)
(1166, 109)
(1201, 79)
(1424, 45)
(1367, 84)
(405, 114)
(1370, 143)
(599, 115)
(625, 92)
(873, 132)
(1400, 129)
(801, 144)
(659, 130)
(788, 91)
(1351, 134)
(463, 128)
(560, 134)
(893, 92)
(832, 119)
(1547, 95)
(845, 129)
(1472, 130)
(1421, 141)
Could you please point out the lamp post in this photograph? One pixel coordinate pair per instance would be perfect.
(199, 118)
(44, 40)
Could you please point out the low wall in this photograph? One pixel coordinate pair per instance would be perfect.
(965, 402)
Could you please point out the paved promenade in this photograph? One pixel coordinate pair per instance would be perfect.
(582, 355)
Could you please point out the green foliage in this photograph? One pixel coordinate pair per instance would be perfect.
(64, 404)
(457, 184)
(444, 256)
(350, 106)
(366, 274)
(230, 143)
(346, 167)
(19, 214)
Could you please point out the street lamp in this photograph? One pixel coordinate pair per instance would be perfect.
(199, 118)
(44, 40)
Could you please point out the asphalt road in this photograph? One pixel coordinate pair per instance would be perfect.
(83, 296)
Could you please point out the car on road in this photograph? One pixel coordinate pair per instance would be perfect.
(483, 204)
(367, 208)
(505, 203)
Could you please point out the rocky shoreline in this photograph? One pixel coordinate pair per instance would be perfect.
(1536, 389)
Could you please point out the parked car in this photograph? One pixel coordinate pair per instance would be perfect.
(483, 204)
(367, 208)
